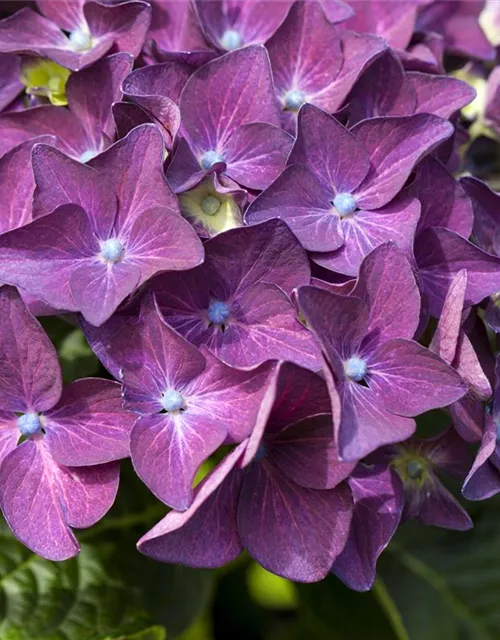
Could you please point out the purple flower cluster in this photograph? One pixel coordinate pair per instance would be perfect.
(250, 209)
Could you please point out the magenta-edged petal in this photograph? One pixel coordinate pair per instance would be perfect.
(254, 22)
(256, 154)
(195, 537)
(167, 450)
(264, 325)
(383, 90)
(31, 502)
(443, 199)
(385, 278)
(30, 377)
(366, 424)
(87, 493)
(393, 21)
(98, 288)
(339, 322)
(152, 358)
(134, 166)
(18, 184)
(307, 454)
(365, 230)
(378, 504)
(127, 24)
(409, 379)
(238, 89)
(394, 146)
(61, 180)
(228, 396)
(445, 339)
(359, 51)
(300, 199)
(10, 83)
(440, 95)
(335, 155)
(21, 126)
(157, 89)
(9, 433)
(66, 14)
(441, 253)
(92, 92)
(278, 523)
(89, 425)
(483, 480)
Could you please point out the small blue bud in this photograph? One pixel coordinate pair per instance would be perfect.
(345, 203)
(172, 400)
(209, 158)
(415, 469)
(231, 40)
(111, 250)
(355, 368)
(218, 312)
(294, 99)
(210, 205)
(29, 423)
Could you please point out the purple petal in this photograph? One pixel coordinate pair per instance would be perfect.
(483, 480)
(301, 200)
(66, 14)
(485, 204)
(444, 342)
(469, 367)
(440, 95)
(9, 433)
(237, 88)
(385, 278)
(409, 379)
(441, 253)
(307, 454)
(278, 523)
(394, 21)
(30, 377)
(18, 184)
(175, 27)
(378, 503)
(195, 537)
(256, 154)
(89, 425)
(10, 83)
(394, 146)
(337, 157)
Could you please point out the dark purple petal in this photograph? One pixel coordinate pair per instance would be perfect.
(438, 507)
(10, 83)
(89, 425)
(486, 207)
(378, 503)
(483, 480)
(30, 377)
(292, 531)
(195, 537)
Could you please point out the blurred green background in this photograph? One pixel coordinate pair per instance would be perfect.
(432, 584)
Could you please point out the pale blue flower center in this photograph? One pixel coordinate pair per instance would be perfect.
(345, 204)
(172, 400)
(29, 423)
(218, 312)
(261, 452)
(80, 40)
(355, 368)
(88, 155)
(231, 39)
(111, 250)
(294, 99)
(210, 205)
(414, 469)
(209, 158)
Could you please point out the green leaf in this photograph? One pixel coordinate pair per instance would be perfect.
(152, 633)
(73, 600)
(76, 357)
(270, 591)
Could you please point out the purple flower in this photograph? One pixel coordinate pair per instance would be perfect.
(188, 402)
(10, 81)
(377, 374)
(62, 475)
(100, 231)
(451, 343)
(86, 128)
(338, 194)
(236, 303)
(378, 504)
(426, 498)
(279, 494)
(312, 63)
(94, 28)
(230, 123)
(232, 24)
(483, 480)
